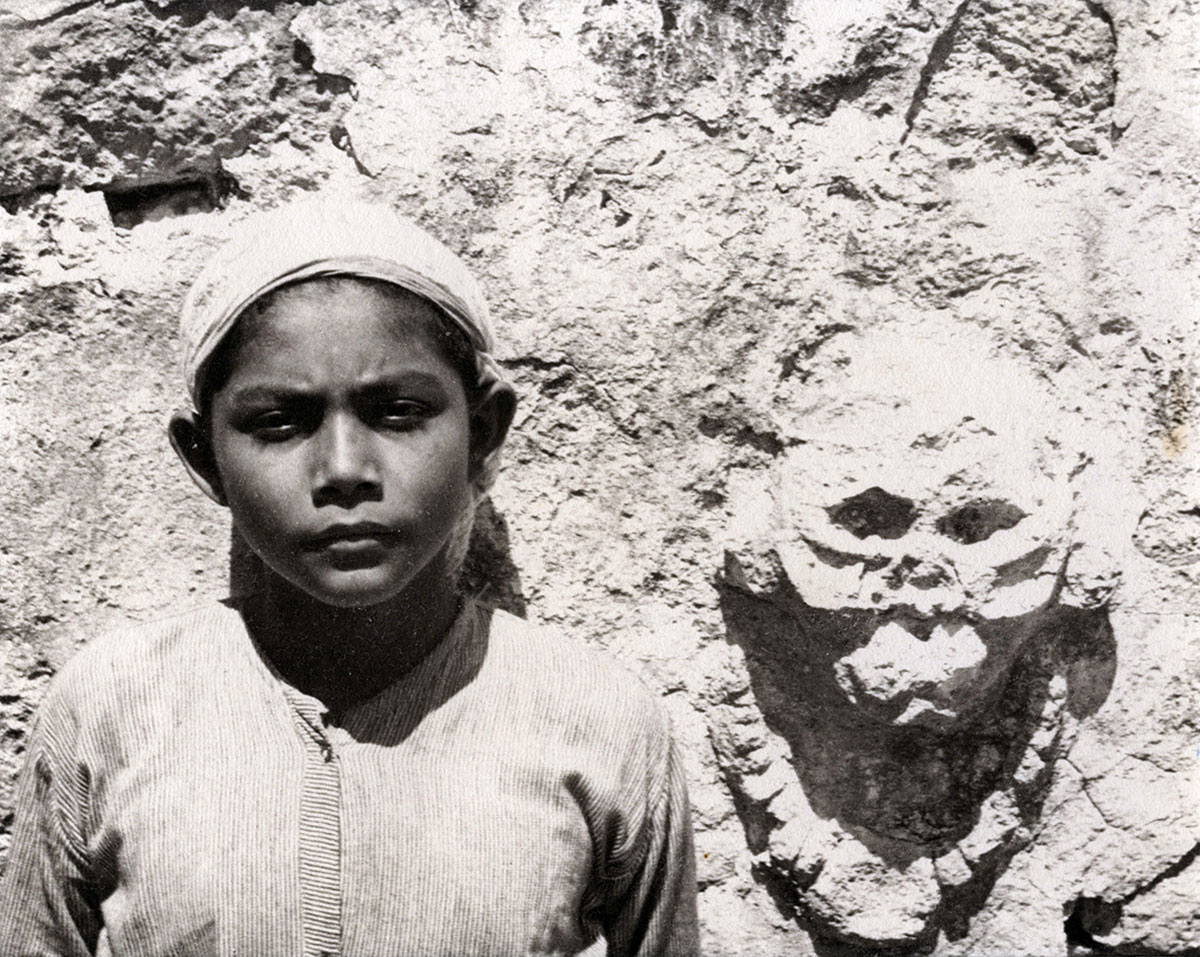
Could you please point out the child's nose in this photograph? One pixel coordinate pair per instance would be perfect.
(346, 469)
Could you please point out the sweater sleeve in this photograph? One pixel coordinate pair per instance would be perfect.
(47, 903)
(654, 914)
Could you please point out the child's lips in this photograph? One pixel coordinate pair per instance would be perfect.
(351, 536)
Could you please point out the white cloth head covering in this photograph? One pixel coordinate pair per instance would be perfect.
(328, 238)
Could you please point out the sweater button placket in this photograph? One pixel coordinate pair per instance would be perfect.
(320, 839)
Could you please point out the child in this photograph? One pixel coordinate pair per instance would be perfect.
(355, 759)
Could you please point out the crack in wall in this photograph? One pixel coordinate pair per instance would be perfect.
(340, 137)
(669, 11)
(1083, 786)
(189, 12)
(1091, 918)
(1173, 870)
(939, 53)
(1097, 9)
(16, 200)
(187, 191)
(27, 23)
(334, 83)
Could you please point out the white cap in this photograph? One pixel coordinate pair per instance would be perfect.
(327, 237)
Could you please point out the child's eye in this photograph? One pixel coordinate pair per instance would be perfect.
(401, 413)
(273, 426)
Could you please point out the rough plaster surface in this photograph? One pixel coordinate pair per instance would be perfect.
(723, 240)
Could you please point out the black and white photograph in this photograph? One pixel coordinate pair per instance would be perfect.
(620, 478)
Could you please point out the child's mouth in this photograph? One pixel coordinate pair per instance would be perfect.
(360, 536)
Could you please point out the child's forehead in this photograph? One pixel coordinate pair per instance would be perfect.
(337, 300)
(345, 288)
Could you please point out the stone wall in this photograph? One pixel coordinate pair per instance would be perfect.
(855, 344)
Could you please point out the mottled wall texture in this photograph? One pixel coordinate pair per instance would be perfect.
(855, 344)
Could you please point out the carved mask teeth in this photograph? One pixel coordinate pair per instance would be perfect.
(922, 627)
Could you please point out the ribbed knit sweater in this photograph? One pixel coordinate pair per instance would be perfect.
(512, 794)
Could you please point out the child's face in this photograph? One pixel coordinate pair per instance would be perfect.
(341, 442)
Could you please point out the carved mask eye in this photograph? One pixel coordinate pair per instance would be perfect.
(874, 512)
(979, 520)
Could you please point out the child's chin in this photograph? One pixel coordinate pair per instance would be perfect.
(359, 589)
(356, 595)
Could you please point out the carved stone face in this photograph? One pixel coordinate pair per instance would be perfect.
(904, 586)
(924, 522)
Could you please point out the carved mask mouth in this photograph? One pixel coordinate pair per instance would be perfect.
(916, 675)
(895, 665)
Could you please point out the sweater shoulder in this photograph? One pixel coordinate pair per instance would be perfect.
(118, 662)
(560, 672)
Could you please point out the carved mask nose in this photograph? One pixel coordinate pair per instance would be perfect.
(918, 574)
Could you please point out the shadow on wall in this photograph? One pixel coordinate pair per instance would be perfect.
(488, 570)
(898, 831)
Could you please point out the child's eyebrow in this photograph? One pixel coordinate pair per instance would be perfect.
(268, 393)
(406, 379)
(371, 385)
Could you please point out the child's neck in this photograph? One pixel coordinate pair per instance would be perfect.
(343, 656)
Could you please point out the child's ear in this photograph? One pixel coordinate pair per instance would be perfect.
(190, 441)
(491, 417)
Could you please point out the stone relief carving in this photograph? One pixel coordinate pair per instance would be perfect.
(921, 626)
